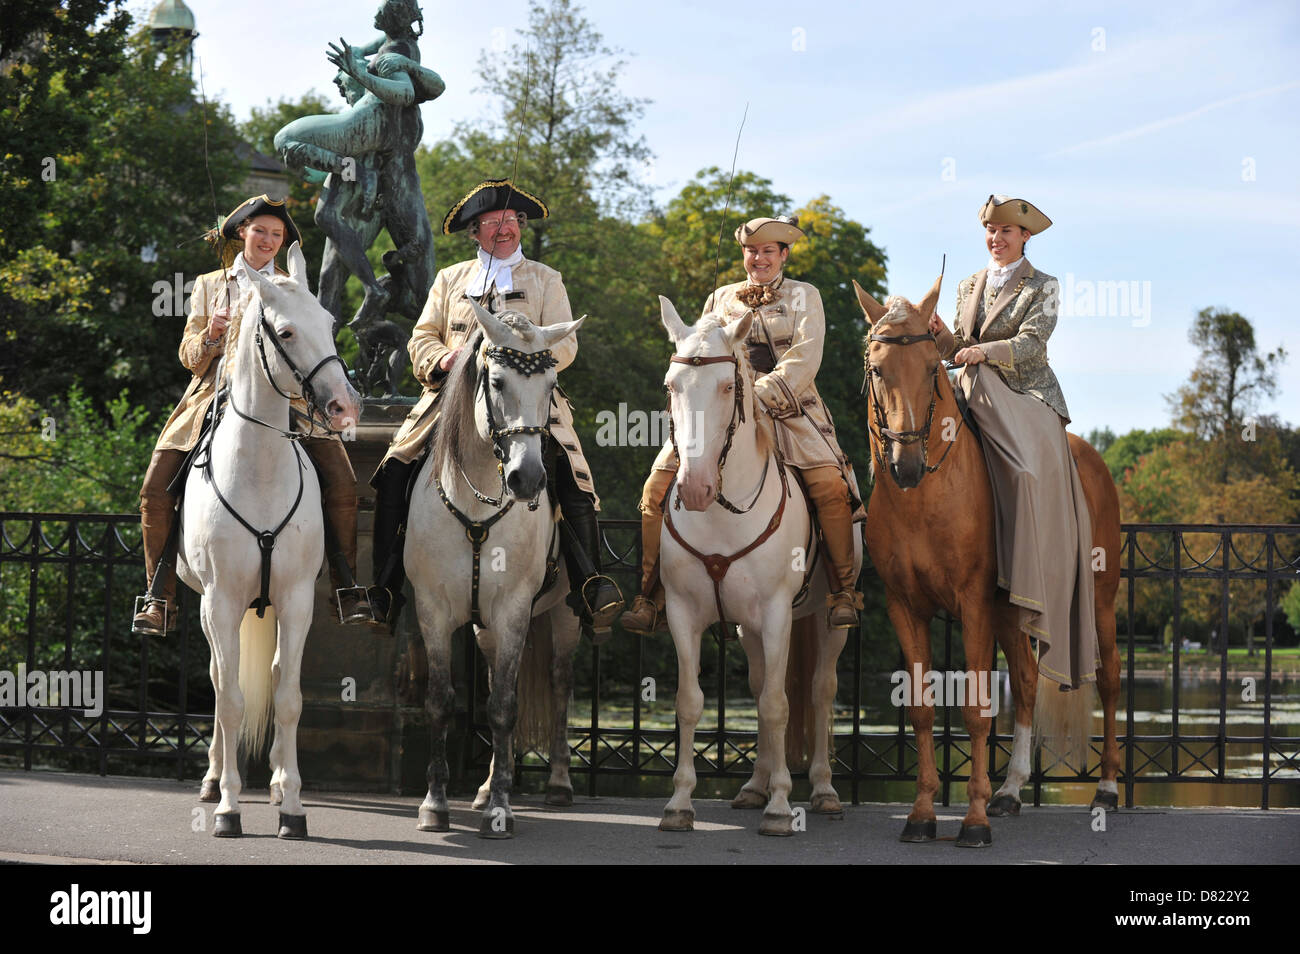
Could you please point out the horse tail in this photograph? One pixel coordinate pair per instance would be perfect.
(799, 670)
(536, 705)
(1063, 721)
(256, 654)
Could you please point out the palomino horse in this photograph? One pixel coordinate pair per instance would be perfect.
(756, 555)
(481, 559)
(930, 532)
(262, 498)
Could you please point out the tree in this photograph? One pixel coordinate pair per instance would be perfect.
(1125, 452)
(93, 275)
(1228, 382)
(1101, 438)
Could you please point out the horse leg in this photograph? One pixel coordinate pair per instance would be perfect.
(221, 623)
(1107, 795)
(753, 794)
(977, 638)
(773, 717)
(1023, 668)
(286, 674)
(830, 643)
(484, 793)
(276, 788)
(564, 640)
(679, 815)
(210, 789)
(497, 821)
(914, 638)
(439, 700)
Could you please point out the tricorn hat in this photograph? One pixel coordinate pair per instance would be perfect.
(260, 205)
(1004, 210)
(757, 231)
(494, 195)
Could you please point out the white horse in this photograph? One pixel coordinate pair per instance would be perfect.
(473, 557)
(261, 498)
(745, 560)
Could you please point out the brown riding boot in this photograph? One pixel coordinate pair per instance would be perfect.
(157, 512)
(646, 616)
(830, 497)
(339, 501)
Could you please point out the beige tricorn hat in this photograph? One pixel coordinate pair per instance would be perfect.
(1004, 210)
(757, 231)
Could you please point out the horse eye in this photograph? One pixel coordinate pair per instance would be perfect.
(286, 335)
(496, 384)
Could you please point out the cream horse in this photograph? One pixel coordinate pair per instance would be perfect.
(260, 501)
(747, 566)
(473, 557)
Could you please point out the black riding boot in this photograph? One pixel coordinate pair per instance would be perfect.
(593, 596)
(391, 503)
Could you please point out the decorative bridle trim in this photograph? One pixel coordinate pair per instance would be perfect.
(882, 433)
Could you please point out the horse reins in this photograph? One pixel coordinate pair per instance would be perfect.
(883, 433)
(717, 564)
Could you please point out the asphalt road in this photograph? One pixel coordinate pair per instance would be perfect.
(54, 817)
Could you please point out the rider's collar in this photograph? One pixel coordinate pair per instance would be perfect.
(239, 269)
(755, 294)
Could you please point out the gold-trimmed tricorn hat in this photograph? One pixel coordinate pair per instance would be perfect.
(785, 229)
(260, 205)
(494, 195)
(1004, 210)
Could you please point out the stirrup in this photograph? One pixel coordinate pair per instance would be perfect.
(142, 604)
(612, 607)
(362, 596)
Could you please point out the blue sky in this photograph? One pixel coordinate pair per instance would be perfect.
(1161, 138)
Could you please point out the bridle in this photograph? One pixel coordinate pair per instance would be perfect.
(314, 417)
(737, 418)
(884, 434)
(526, 363)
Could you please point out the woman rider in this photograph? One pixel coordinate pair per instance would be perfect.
(785, 349)
(1005, 314)
(260, 226)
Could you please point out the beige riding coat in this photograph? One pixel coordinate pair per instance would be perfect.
(210, 290)
(448, 321)
(794, 326)
(1013, 328)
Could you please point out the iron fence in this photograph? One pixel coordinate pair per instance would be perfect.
(67, 582)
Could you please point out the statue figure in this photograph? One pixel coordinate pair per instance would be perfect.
(368, 151)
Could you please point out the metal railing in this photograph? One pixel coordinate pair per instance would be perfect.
(67, 582)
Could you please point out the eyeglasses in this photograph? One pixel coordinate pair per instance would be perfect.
(519, 217)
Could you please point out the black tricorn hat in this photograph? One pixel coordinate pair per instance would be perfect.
(494, 195)
(260, 205)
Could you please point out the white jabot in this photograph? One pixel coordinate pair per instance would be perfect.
(240, 270)
(998, 274)
(492, 271)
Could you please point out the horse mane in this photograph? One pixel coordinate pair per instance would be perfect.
(766, 437)
(454, 429)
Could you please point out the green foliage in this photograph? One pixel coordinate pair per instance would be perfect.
(1125, 451)
(1101, 438)
(1291, 606)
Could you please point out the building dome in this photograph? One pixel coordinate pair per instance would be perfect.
(172, 15)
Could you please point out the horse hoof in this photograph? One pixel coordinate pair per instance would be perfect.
(827, 804)
(277, 793)
(210, 790)
(778, 825)
(431, 820)
(292, 826)
(1003, 805)
(480, 802)
(748, 798)
(1108, 801)
(496, 825)
(557, 796)
(227, 825)
(677, 819)
(917, 832)
(974, 836)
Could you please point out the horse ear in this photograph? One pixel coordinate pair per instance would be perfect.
(553, 334)
(297, 264)
(873, 309)
(931, 299)
(492, 326)
(739, 330)
(677, 329)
